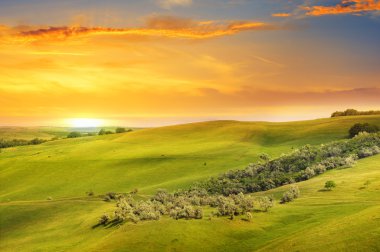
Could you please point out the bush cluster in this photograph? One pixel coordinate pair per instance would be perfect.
(290, 195)
(362, 127)
(20, 142)
(353, 112)
(302, 164)
(182, 205)
(117, 131)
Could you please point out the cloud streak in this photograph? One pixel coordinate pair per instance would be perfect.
(344, 7)
(168, 4)
(157, 26)
(281, 14)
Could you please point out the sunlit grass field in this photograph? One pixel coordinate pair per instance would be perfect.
(346, 218)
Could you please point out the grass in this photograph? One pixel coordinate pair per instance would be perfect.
(28, 133)
(346, 218)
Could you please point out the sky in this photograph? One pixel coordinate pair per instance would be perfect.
(161, 62)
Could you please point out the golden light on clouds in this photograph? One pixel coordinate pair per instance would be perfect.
(156, 26)
(170, 66)
(345, 7)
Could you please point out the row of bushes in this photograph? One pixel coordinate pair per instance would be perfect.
(75, 134)
(354, 112)
(20, 142)
(183, 205)
(301, 164)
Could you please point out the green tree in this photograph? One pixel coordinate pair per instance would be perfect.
(74, 134)
(362, 127)
(120, 130)
(329, 185)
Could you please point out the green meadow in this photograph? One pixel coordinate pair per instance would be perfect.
(344, 219)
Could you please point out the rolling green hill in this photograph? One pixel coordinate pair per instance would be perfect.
(47, 133)
(28, 133)
(168, 157)
(173, 157)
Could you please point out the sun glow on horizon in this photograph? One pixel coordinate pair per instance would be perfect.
(85, 122)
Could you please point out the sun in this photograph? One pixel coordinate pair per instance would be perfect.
(85, 122)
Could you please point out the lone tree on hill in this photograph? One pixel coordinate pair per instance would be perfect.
(329, 185)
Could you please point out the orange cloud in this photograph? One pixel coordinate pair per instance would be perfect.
(345, 7)
(159, 26)
(281, 15)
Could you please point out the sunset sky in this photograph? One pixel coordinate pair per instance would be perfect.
(159, 62)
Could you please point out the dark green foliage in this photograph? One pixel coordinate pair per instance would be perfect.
(330, 185)
(353, 112)
(265, 157)
(362, 127)
(20, 142)
(122, 130)
(301, 164)
(90, 193)
(74, 134)
(104, 219)
(105, 132)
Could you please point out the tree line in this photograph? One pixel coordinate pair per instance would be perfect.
(354, 112)
(19, 142)
(75, 134)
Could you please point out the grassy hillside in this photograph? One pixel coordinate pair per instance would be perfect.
(29, 133)
(167, 157)
(345, 219)
(173, 157)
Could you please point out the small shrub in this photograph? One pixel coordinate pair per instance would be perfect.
(266, 203)
(290, 195)
(120, 130)
(329, 185)
(104, 219)
(90, 193)
(249, 216)
(74, 134)
(111, 195)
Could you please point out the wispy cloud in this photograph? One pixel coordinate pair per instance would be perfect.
(281, 15)
(167, 4)
(344, 7)
(158, 26)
